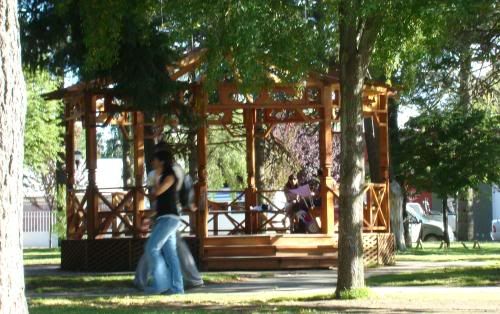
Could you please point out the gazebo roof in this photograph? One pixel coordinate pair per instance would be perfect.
(188, 63)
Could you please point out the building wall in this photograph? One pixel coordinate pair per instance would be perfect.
(37, 225)
(483, 213)
(483, 210)
(495, 191)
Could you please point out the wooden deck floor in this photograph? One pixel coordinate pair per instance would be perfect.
(237, 252)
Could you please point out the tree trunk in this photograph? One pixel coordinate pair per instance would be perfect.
(446, 235)
(465, 222)
(260, 154)
(352, 174)
(12, 115)
(406, 223)
(357, 37)
(396, 175)
(193, 156)
(149, 143)
(465, 228)
(397, 215)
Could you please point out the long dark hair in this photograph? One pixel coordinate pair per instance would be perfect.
(166, 157)
(290, 184)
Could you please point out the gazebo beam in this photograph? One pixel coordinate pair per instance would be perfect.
(69, 141)
(250, 117)
(138, 122)
(326, 161)
(91, 162)
(202, 186)
(384, 152)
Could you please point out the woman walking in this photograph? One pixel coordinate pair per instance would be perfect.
(161, 248)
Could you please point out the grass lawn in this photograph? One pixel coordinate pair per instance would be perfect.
(489, 251)
(449, 276)
(42, 256)
(103, 282)
(486, 275)
(80, 293)
(264, 302)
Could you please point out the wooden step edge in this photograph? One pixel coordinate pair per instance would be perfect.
(270, 257)
(249, 236)
(211, 246)
(305, 246)
(304, 236)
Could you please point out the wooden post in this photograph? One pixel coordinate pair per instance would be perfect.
(138, 122)
(201, 193)
(326, 161)
(91, 162)
(250, 192)
(384, 154)
(69, 141)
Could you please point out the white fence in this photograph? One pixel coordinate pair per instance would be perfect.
(37, 226)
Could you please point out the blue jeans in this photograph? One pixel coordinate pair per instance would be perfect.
(162, 258)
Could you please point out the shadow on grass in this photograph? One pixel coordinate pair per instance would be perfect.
(104, 282)
(455, 276)
(52, 284)
(91, 308)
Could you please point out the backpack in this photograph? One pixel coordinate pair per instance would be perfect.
(185, 191)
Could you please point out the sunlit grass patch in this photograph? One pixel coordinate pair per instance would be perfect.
(263, 302)
(42, 256)
(220, 278)
(355, 294)
(448, 276)
(489, 251)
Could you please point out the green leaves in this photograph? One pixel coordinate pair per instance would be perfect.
(43, 129)
(246, 40)
(447, 151)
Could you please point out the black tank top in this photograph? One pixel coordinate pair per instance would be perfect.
(166, 203)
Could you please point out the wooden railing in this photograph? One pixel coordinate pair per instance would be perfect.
(274, 218)
(376, 208)
(231, 212)
(76, 214)
(116, 216)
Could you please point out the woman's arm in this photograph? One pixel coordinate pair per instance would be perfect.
(164, 185)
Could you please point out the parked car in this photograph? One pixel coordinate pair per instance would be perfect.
(432, 230)
(495, 230)
(436, 216)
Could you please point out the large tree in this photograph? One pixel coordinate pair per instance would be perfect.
(460, 71)
(12, 111)
(451, 150)
(363, 26)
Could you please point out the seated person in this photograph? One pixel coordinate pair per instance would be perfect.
(316, 188)
(291, 184)
(293, 204)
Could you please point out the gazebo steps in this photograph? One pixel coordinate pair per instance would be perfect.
(269, 262)
(268, 250)
(275, 239)
(259, 252)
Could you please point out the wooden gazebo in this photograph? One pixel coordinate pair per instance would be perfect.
(104, 225)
